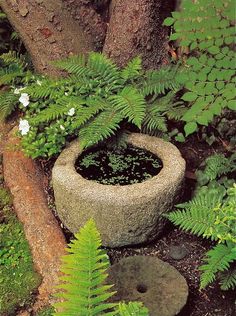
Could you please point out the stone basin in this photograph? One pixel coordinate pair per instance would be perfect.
(125, 215)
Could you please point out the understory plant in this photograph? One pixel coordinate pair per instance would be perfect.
(14, 75)
(212, 214)
(83, 288)
(94, 101)
(17, 276)
(204, 31)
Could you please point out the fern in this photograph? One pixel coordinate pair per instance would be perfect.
(214, 167)
(85, 268)
(218, 259)
(131, 309)
(8, 102)
(109, 96)
(198, 216)
(211, 214)
(228, 279)
(131, 105)
(133, 69)
(83, 288)
(159, 81)
(206, 29)
(101, 127)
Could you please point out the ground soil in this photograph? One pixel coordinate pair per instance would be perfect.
(211, 301)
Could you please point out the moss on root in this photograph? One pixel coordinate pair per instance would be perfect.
(18, 280)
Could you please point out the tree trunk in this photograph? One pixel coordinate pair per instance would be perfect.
(135, 28)
(53, 29)
(48, 30)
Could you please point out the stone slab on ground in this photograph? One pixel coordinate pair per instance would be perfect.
(161, 288)
(25, 181)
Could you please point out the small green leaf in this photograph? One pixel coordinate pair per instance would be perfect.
(213, 50)
(190, 128)
(174, 36)
(232, 105)
(189, 96)
(169, 21)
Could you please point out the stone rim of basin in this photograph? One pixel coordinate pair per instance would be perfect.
(124, 215)
(161, 288)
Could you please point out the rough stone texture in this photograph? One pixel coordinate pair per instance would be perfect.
(124, 215)
(178, 252)
(157, 284)
(46, 240)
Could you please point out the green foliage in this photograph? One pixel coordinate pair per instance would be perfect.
(211, 214)
(206, 30)
(84, 291)
(47, 311)
(132, 308)
(17, 276)
(214, 167)
(9, 39)
(218, 259)
(13, 74)
(94, 100)
(5, 197)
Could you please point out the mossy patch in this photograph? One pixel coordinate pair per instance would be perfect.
(47, 311)
(5, 197)
(17, 276)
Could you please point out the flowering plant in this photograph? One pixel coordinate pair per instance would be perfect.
(94, 101)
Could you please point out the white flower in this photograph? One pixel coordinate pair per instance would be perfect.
(62, 127)
(24, 127)
(66, 93)
(39, 82)
(71, 112)
(24, 99)
(18, 90)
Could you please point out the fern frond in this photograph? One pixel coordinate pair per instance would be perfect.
(9, 76)
(159, 81)
(152, 124)
(12, 57)
(133, 69)
(94, 106)
(84, 269)
(131, 105)
(217, 165)
(8, 101)
(74, 65)
(101, 127)
(133, 309)
(228, 279)
(218, 259)
(103, 68)
(198, 215)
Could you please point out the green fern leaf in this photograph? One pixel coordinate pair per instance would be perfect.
(8, 102)
(101, 127)
(228, 279)
(198, 215)
(132, 309)
(218, 259)
(159, 81)
(131, 105)
(103, 68)
(84, 292)
(74, 65)
(133, 69)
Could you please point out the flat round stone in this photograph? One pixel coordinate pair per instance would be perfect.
(161, 288)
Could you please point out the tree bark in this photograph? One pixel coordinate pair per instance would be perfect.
(49, 31)
(53, 29)
(135, 28)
